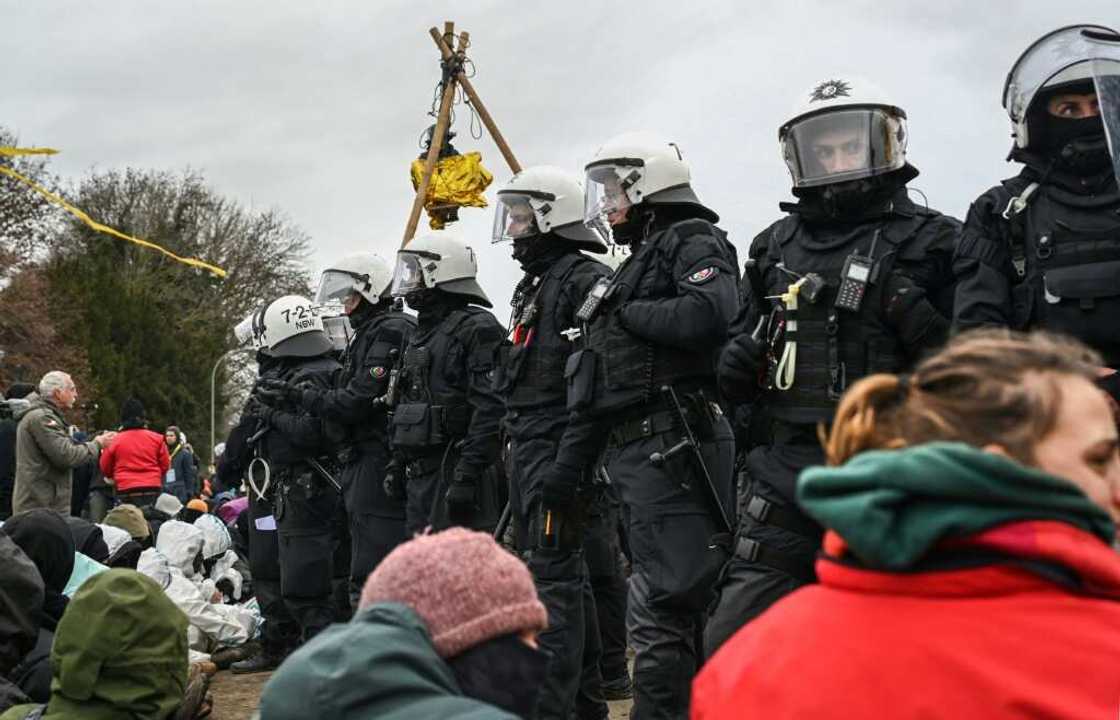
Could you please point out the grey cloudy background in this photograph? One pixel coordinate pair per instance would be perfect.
(316, 108)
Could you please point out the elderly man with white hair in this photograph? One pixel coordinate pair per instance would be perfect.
(45, 454)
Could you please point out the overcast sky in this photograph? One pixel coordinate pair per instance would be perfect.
(316, 108)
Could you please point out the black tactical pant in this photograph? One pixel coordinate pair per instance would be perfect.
(605, 566)
(572, 685)
(776, 544)
(280, 632)
(427, 478)
(307, 514)
(375, 529)
(672, 524)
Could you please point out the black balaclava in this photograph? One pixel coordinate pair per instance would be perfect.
(1076, 145)
(432, 305)
(633, 230)
(853, 200)
(367, 311)
(537, 253)
(45, 538)
(504, 672)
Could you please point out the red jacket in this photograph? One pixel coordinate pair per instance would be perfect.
(136, 460)
(995, 641)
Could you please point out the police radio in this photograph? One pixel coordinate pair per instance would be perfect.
(854, 279)
(594, 299)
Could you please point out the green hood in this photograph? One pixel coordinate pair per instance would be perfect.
(120, 651)
(892, 506)
(381, 664)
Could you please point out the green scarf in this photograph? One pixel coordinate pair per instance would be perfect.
(892, 506)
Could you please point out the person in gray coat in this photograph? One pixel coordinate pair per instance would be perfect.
(45, 454)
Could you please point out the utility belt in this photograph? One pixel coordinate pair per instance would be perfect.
(420, 425)
(699, 413)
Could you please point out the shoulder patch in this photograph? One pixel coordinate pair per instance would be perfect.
(50, 422)
(702, 276)
(378, 372)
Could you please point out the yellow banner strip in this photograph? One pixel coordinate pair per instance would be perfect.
(13, 152)
(10, 152)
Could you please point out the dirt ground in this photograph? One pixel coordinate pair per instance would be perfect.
(235, 697)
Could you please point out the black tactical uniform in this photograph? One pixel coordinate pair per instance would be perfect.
(660, 323)
(445, 425)
(1052, 262)
(376, 521)
(307, 506)
(904, 313)
(280, 633)
(532, 383)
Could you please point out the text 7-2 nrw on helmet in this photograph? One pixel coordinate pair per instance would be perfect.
(541, 200)
(365, 273)
(637, 168)
(293, 328)
(843, 129)
(438, 259)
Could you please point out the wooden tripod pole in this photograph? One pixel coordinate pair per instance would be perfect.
(435, 144)
(483, 113)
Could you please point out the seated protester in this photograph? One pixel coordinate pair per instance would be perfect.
(219, 558)
(45, 539)
(130, 519)
(169, 505)
(120, 652)
(212, 625)
(123, 550)
(446, 628)
(968, 567)
(88, 539)
(21, 596)
(194, 509)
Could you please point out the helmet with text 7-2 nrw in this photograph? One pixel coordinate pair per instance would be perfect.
(293, 328)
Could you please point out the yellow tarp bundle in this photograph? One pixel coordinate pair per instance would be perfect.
(458, 181)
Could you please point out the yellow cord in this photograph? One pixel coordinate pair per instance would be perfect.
(12, 152)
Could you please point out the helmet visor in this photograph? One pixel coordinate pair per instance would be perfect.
(1106, 79)
(610, 190)
(338, 329)
(334, 287)
(1065, 55)
(514, 218)
(844, 145)
(409, 275)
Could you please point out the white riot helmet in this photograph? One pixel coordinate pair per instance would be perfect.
(1077, 54)
(438, 260)
(843, 129)
(293, 328)
(540, 200)
(632, 169)
(250, 331)
(365, 273)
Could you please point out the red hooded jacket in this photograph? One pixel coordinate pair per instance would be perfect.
(995, 641)
(136, 460)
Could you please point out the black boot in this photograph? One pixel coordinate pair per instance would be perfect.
(263, 661)
(619, 688)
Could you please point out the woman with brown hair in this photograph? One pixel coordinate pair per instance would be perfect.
(968, 567)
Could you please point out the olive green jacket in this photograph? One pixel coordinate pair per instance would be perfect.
(45, 455)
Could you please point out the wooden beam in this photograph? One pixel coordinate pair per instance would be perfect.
(443, 119)
(472, 96)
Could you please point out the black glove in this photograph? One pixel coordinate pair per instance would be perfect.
(394, 481)
(558, 488)
(740, 363)
(909, 312)
(277, 392)
(461, 495)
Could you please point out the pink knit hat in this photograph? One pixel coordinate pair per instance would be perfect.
(462, 584)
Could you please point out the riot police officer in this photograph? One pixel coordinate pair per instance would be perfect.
(444, 430)
(540, 211)
(855, 279)
(280, 632)
(297, 447)
(381, 331)
(1042, 249)
(643, 391)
